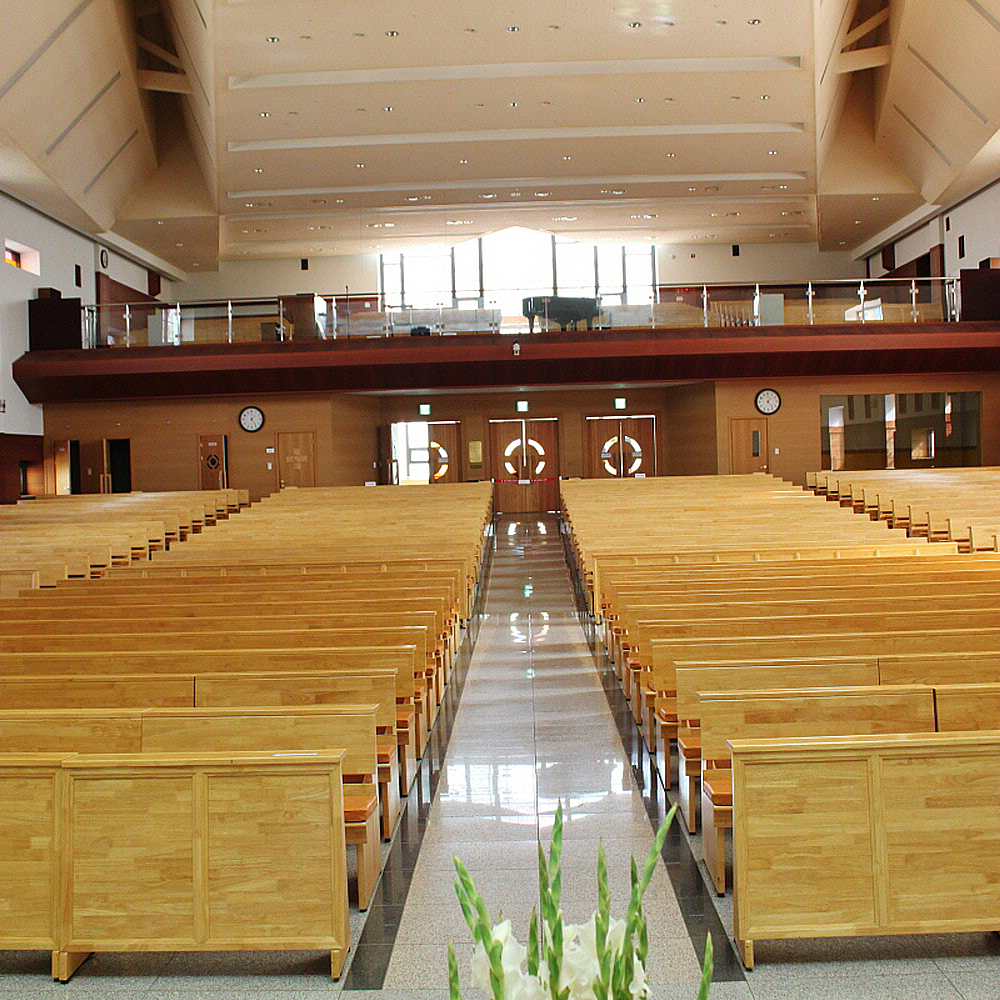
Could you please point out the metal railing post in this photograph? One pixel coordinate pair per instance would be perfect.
(861, 295)
(809, 296)
(704, 305)
(913, 298)
(229, 319)
(128, 325)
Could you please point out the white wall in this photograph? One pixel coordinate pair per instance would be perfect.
(60, 249)
(912, 245)
(977, 219)
(757, 262)
(243, 279)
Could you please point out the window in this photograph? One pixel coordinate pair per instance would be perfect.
(901, 430)
(21, 256)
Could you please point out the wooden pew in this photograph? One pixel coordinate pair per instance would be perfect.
(90, 669)
(846, 836)
(212, 730)
(827, 711)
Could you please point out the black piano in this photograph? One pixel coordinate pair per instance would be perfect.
(561, 309)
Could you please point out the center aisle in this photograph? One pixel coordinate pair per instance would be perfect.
(533, 727)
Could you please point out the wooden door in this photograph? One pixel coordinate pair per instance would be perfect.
(61, 468)
(621, 447)
(747, 445)
(213, 462)
(524, 465)
(296, 459)
(94, 477)
(445, 451)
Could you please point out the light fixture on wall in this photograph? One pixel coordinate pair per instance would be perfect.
(424, 409)
(516, 348)
(620, 403)
(522, 406)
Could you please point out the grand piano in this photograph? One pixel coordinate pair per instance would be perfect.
(561, 309)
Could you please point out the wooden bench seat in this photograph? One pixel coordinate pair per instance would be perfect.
(828, 711)
(211, 730)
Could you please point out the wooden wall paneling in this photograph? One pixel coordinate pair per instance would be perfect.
(15, 449)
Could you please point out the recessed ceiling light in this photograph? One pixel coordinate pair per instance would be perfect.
(669, 156)
(248, 204)
(392, 34)
(542, 194)
(388, 107)
(515, 194)
(635, 24)
(458, 222)
(642, 216)
(640, 100)
(463, 161)
(754, 20)
(565, 218)
(471, 31)
(178, 244)
(258, 170)
(619, 191)
(667, 98)
(426, 197)
(272, 39)
(842, 242)
(692, 189)
(359, 34)
(714, 215)
(265, 114)
(732, 213)
(513, 27)
(857, 222)
(567, 157)
(512, 104)
(765, 97)
(772, 152)
(340, 201)
(722, 22)
(159, 222)
(488, 195)
(359, 165)
(783, 187)
(875, 197)
(553, 27)
(412, 197)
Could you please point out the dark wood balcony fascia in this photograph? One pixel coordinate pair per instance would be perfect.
(483, 361)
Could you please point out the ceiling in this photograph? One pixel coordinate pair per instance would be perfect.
(208, 130)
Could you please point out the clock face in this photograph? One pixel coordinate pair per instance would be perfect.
(251, 418)
(767, 401)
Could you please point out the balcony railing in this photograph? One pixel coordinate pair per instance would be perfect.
(709, 306)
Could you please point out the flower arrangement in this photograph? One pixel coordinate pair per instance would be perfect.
(603, 959)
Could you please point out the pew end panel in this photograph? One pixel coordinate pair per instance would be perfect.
(849, 836)
(203, 852)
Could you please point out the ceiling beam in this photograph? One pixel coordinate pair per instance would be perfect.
(160, 53)
(858, 59)
(866, 27)
(173, 83)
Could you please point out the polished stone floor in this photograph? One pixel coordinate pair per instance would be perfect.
(533, 718)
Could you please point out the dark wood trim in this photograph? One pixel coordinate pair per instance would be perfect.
(487, 360)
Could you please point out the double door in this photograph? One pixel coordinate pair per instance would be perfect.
(524, 465)
(621, 447)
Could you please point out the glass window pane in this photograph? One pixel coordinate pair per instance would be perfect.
(467, 269)
(575, 267)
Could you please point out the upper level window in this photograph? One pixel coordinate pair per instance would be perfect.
(18, 255)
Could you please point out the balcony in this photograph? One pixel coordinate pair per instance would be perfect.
(301, 344)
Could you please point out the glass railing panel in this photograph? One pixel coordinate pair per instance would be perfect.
(721, 306)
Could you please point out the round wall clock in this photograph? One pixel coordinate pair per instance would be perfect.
(251, 418)
(767, 401)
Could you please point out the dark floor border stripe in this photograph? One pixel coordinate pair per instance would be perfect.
(369, 960)
(694, 897)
